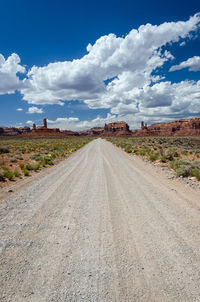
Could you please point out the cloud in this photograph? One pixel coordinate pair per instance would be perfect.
(183, 43)
(19, 109)
(129, 61)
(192, 63)
(64, 120)
(122, 74)
(29, 123)
(9, 81)
(73, 123)
(32, 110)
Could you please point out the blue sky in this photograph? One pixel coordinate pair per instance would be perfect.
(122, 75)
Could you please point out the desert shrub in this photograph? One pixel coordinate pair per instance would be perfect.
(26, 172)
(153, 156)
(171, 154)
(142, 152)
(8, 174)
(128, 149)
(29, 167)
(183, 171)
(37, 157)
(183, 162)
(48, 160)
(16, 173)
(196, 164)
(2, 176)
(4, 149)
(36, 166)
(163, 159)
(21, 166)
(196, 172)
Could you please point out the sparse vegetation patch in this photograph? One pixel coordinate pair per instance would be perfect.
(182, 154)
(24, 156)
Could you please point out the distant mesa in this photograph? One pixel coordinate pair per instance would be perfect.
(12, 131)
(186, 127)
(36, 131)
(111, 129)
(45, 131)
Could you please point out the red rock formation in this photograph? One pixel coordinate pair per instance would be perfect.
(187, 127)
(96, 131)
(111, 129)
(12, 131)
(69, 133)
(45, 122)
(24, 130)
(116, 129)
(9, 131)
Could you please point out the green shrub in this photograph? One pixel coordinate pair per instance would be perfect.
(163, 159)
(183, 171)
(48, 160)
(29, 167)
(153, 156)
(26, 172)
(37, 157)
(128, 149)
(36, 166)
(196, 172)
(9, 174)
(16, 173)
(21, 166)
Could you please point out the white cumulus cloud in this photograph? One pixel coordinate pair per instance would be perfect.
(19, 109)
(9, 68)
(29, 122)
(32, 110)
(122, 74)
(73, 123)
(128, 62)
(192, 63)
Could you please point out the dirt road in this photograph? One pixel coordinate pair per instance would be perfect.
(102, 226)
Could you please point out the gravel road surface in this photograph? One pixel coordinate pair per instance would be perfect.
(101, 226)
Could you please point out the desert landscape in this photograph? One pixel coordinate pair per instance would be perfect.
(85, 230)
(22, 153)
(99, 151)
(87, 226)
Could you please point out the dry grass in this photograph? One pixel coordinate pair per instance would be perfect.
(23, 156)
(179, 153)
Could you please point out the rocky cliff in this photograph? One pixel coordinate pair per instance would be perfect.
(111, 129)
(116, 129)
(12, 131)
(187, 127)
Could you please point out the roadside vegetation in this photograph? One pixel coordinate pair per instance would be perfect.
(182, 154)
(21, 157)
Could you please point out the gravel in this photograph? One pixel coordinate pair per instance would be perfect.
(101, 226)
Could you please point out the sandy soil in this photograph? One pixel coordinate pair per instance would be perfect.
(100, 226)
